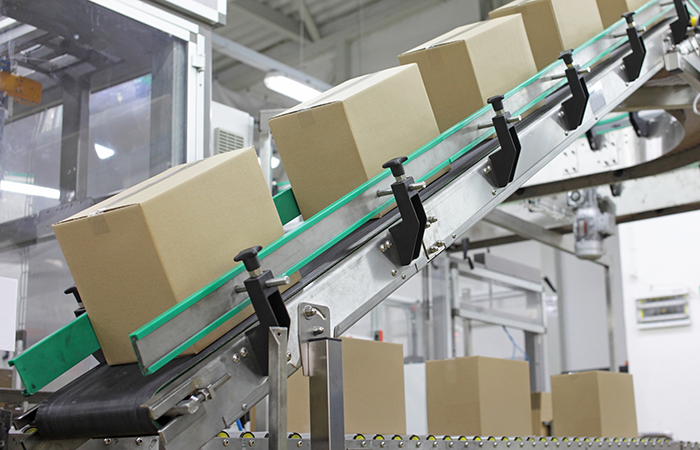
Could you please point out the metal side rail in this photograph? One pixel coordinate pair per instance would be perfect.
(259, 441)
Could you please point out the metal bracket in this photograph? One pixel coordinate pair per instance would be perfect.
(502, 164)
(595, 141)
(314, 323)
(634, 62)
(679, 28)
(267, 302)
(641, 126)
(407, 235)
(575, 108)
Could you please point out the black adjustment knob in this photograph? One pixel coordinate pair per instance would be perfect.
(73, 291)
(396, 166)
(629, 17)
(497, 102)
(567, 56)
(249, 257)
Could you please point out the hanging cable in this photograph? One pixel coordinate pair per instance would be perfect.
(515, 345)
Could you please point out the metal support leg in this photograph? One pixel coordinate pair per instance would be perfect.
(536, 351)
(278, 388)
(326, 394)
(612, 344)
(75, 144)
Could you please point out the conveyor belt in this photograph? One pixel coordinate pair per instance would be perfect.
(106, 401)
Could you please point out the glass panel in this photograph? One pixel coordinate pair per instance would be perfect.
(110, 114)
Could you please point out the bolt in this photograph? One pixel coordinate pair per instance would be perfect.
(561, 114)
(383, 248)
(454, 236)
(487, 170)
(434, 444)
(251, 443)
(309, 311)
(566, 133)
(383, 444)
(622, 67)
(244, 352)
(364, 443)
(494, 192)
(289, 356)
(418, 444)
(432, 219)
(495, 443)
(139, 441)
(300, 443)
(236, 358)
(226, 442)
(394, 273)
(317, 330)
(107, 441)
(451, 444)
(244, 407)
(403, 276)
(401, 444)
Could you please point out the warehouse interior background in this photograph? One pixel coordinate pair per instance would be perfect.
(656, 254)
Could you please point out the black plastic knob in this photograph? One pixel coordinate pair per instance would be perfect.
(249, 257)
(567, 56)
(629, 17)
(497, 102)
(73, 291)
(396, 166)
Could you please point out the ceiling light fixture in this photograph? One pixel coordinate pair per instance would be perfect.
(290, 87)
(103, 152)
(29, 189)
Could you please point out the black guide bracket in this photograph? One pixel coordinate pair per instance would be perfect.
(407, 235)
(595, 141)
(265, 296)
(634, 61)
(500, 169)
(575, 108)
(679, 28)
(641, 126)
(73, 290)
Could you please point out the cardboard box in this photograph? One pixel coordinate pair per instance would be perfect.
(336, 142)
(612, 10)
(541, 413)
(463, 68)
(554, 25)
(140, 252)
(597, 404)
(373, 389)
(478, 396)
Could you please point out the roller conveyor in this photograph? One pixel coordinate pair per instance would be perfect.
(345, 263)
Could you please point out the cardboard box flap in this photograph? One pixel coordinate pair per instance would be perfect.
(155, 186)
(515, 4)
(344, 90)
(447, 38)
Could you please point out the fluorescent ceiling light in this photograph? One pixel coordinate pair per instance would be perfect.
(274, 162)
(103, 152)
(284, 85)
(29, 189)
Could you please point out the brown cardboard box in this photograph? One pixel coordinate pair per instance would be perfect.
(336, 142)
(373, 389)
(612, 10)
(597, 404)
(463, 68)
(140, 252)
(478, 396)
(554, 25)
(541, 413)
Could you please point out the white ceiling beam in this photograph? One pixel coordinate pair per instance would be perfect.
(262, 62)
(378, 16)
(309, 21)
(271, 18)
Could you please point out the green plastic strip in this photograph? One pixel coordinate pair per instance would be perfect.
(182, 306)
(286, 205)
(49, 358)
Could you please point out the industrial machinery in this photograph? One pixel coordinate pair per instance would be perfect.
(349, 263)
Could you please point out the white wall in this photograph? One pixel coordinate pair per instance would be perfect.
(658, 253)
